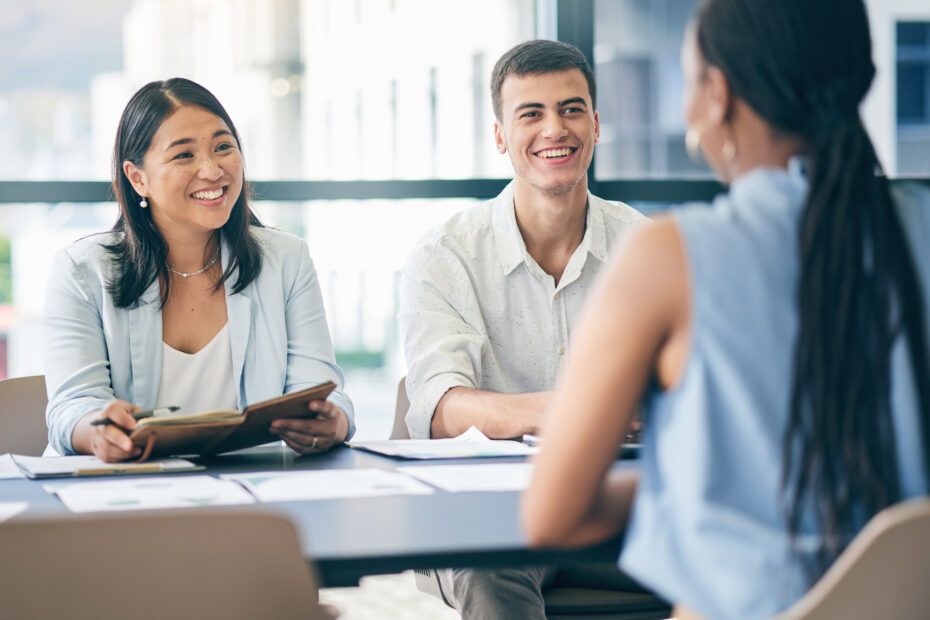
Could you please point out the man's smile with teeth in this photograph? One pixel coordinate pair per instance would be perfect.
(552, 153)
(210, 194)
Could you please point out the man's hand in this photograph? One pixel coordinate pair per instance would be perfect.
(313, 435)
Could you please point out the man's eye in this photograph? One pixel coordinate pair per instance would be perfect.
(572, 110)
(530, 114)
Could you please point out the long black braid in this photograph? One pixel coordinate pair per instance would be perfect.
(805, 66)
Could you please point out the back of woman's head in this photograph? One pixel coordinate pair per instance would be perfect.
(804, 66)
(140, 252)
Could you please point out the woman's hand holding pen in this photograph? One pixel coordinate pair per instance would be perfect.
(313, 435)
(108, 442)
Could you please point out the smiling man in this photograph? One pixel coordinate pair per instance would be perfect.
(488, 300)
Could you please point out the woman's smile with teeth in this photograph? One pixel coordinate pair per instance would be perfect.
(208, 194)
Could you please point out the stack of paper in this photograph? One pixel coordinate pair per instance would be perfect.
(478, 477)
(11, 509)
(9, 468)
(150, 493)
(471, 443)
(83, 465)
(327, 484)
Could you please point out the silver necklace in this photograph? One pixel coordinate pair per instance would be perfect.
(199, 271)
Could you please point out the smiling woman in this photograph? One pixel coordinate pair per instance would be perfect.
(188, 290)
(191, 174)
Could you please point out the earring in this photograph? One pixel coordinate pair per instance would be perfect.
(728, 151)
(693, 144)
(143, 203)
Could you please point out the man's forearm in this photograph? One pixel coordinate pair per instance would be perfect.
(499, 416)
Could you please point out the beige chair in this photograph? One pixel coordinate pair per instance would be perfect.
(400, 412)
(22, 415)
(882, 574)
(561, 602)
(157, 565)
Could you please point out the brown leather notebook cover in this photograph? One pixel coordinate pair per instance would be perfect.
(212, 437)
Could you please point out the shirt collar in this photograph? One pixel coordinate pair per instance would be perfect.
(507, 238)
(595, 233)
(509, 242)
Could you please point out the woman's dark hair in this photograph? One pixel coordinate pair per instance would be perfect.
(805, 66)
(140, 252)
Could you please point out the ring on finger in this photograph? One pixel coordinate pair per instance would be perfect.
(313, 443)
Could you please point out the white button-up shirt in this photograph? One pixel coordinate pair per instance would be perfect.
(477, 311)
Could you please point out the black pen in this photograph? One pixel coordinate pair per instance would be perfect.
(139, 415)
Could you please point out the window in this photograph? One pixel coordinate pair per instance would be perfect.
(335, 91)
(319, 90)
(913, 97)
(637, 46)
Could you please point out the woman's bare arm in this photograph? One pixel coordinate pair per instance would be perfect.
(634, 326)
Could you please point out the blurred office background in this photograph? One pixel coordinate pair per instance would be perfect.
(349, 90)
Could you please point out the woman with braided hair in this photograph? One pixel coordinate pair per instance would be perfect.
(778, 336)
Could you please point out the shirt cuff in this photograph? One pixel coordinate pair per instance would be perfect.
(62, 428)
(423, 404)
(341, 400)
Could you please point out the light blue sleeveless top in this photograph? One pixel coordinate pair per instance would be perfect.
(707, 528)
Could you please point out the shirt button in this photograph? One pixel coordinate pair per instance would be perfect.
(557, 294)
(561, 350)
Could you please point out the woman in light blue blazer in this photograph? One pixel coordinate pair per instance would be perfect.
(778, 336)
(188, 300)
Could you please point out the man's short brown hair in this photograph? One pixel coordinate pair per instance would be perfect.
(535, 57)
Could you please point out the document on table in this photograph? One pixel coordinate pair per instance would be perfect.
(327, 484)
(9, 468)
(85, 465)
(478, 477)
(150, 493)
(11, 509)
(625, 451)
(471, 443)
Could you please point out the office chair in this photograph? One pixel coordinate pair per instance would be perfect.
(399, 431)
(157, 565)
(561, 602)
(22, 415)
(881, 574)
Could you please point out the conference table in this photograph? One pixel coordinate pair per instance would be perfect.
(350, 538)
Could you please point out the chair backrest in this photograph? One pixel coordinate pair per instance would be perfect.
(215, 564)
(400, 412)
(882, 574)
(22, 415)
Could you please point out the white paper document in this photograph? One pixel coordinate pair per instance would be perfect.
(150, 493)
(9, 468)
(478, 477)
(85, 465)
(11, 509)
(471, 443)
(327, 484)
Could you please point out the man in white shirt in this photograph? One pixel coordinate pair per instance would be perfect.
(488, 300)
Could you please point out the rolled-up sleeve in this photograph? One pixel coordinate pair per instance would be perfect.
(310, 355)
(442, 345)
(77, 369)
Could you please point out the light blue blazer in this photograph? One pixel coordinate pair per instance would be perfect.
(95, 352)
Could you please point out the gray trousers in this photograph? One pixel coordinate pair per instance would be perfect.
(500, 594)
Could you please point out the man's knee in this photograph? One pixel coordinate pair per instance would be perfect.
(499, 593)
